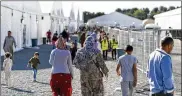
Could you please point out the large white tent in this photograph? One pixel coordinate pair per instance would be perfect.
(23, 19)
(169, 19)
(115, 18)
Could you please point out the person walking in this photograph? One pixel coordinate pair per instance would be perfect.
(65, 35)
(7, 66)
(48, 34)
(56, 34)
(62, 71)
(8, 44)
(114, 45)
(73, 50)
(82, 39)
(128, 65)
(54, 39)
(34, 61)
(96, 43)
(160, 70)
(92, 69)
(105, 47)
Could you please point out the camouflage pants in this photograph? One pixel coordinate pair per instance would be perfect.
(92, 88)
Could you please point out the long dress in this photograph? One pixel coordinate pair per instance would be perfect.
(90, 76)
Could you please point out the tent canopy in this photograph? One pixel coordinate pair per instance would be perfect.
(115, 18)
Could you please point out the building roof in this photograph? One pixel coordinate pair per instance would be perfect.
(115, 18)
(169, 13)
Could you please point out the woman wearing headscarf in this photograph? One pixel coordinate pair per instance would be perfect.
(92, 68)
(62, 72)
(96, 43)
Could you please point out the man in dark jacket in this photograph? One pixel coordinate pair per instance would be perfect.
(65, 34)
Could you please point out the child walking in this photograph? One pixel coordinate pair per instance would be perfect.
(128, 65)
(34, 61)
(7, 65)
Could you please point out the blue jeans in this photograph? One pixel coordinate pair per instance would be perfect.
(34, 73)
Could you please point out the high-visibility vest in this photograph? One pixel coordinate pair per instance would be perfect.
(114, 44)
(105, 45)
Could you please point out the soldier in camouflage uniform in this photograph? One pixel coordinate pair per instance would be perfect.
(92, 68)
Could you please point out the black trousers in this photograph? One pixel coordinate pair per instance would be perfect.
(114, 54)
(105, 54)
(48, 40)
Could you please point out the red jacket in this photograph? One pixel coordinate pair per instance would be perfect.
(48, 34)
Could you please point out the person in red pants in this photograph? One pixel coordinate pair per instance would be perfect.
(62, 72)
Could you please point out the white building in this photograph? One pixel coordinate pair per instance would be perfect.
(24, 19)
(169, 19)
(115, 18)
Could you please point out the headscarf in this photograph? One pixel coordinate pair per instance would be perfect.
(60, 43)
(89, 45)
(94, 35)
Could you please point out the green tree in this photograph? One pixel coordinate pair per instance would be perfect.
(155, 10)
(162, 9)
(88, 15)
(140, 14)
(146, 10)
(171, 8)
(118, 10)
(133, 10)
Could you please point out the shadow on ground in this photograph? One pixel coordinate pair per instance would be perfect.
(22, 57)
(43, 83)
(20, 90)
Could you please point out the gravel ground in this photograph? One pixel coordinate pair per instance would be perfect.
(23, 85)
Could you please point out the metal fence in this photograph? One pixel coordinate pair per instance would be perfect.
(145, 41)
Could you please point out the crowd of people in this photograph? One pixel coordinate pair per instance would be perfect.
(90, 60)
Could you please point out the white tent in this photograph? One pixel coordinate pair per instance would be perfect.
(169, 19)
(115, 18)
(23, 19)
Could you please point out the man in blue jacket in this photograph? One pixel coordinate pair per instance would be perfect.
(160, 70)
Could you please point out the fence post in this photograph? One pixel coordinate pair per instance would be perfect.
(158, 38)
(129, 36)
(154, 32)
(143, 50)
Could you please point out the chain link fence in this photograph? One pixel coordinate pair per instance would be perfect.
(145, 41)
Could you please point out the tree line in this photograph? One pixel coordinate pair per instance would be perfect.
(141, 14)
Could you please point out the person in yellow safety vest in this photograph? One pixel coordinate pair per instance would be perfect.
(114, 45)
(104, 47)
